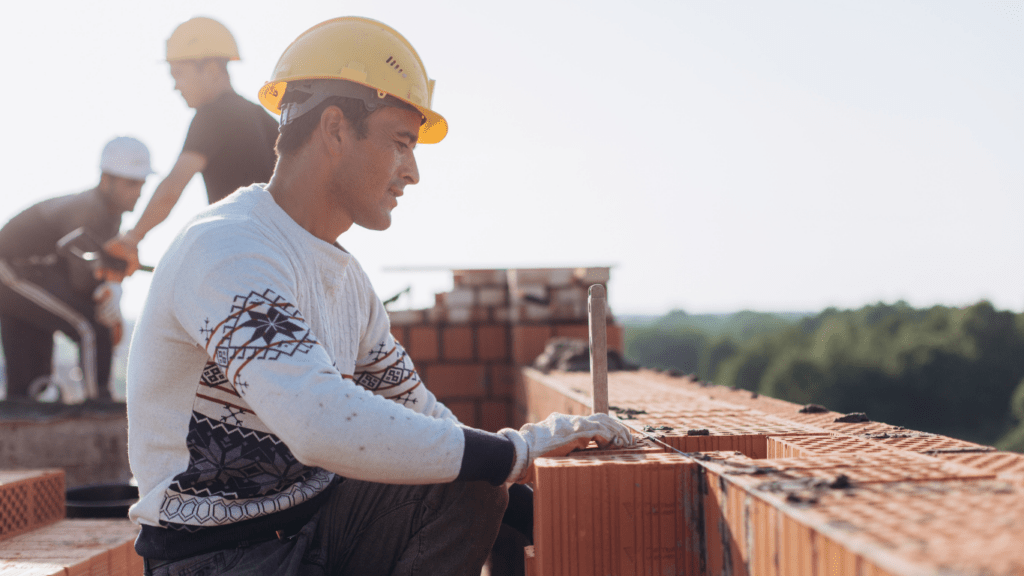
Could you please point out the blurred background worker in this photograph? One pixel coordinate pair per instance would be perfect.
(44, 287)
(230, 141)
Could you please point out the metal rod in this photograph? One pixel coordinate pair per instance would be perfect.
(596, 307)
(653, 438)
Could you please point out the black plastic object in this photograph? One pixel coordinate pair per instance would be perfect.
(101, 500)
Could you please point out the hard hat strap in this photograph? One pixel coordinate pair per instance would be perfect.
(304, 95)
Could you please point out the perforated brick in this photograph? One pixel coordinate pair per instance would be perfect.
(615, 514)
(76, 547)
(728, 424)
(954, 527)
(930, 443)
(1006, 465)
(875, 468)
(30, 499)
(804, 446)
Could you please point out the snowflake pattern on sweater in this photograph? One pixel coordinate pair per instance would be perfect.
(260, 326)
(236, 470)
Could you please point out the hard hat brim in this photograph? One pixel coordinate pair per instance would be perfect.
(432, 131)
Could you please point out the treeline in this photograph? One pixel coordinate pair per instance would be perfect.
(952, 371)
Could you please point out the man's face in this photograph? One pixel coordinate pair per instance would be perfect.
(374, 171)
(189, 81)
(123, 193)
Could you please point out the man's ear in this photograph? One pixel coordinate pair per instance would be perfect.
(334, 130)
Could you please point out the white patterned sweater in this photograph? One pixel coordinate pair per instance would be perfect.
(263, 365)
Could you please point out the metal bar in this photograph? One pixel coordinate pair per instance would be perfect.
(653, 438)
(596, 307)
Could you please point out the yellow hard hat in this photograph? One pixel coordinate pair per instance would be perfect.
(362, 52)
(201, 38)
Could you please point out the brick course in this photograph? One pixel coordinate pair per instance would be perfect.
(456, 380)
(423, 343)
(457, 343)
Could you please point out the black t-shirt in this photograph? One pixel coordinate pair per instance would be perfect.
(29, 239)
(237, 139)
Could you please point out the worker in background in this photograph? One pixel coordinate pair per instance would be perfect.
(44, 287)
(230, 140)
(275, 426)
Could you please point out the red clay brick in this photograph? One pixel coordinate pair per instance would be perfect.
(503, 315)
(528, 342)
(495, 415)
(502, 381)
(422, 343)
(464, 410)
(492, 342)
(456, 380)
(74, 547)
(929, 443)
(479, 277)
(578, 331)
(460, 297)
(534, 313)
(406, 317)
(1008, 466)
(492, 296)
(465, 315)
(30, 499)
(457, 343)
(615, 514)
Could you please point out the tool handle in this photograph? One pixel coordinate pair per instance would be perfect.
(596, 308)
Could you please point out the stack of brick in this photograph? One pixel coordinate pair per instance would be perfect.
(803, 493)
(36, 540)
(468, 346)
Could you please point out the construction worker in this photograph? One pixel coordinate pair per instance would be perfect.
(275, 426)
(230, 140)
(45, 288)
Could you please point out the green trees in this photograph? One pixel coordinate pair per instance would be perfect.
(953, 371)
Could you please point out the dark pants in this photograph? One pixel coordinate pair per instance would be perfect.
(32, 307)
(373, 529)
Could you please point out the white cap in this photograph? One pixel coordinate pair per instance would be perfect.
(126, 157)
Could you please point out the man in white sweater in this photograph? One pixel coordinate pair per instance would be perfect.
(275, 426)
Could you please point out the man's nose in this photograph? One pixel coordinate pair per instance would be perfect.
(411, 172)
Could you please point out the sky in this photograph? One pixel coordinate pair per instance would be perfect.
(775, 156)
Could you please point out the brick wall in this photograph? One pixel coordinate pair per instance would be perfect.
(765, 489)
(467, 348)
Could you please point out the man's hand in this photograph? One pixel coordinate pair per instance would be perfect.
(124, 247)
(107, 297)
(560, 434)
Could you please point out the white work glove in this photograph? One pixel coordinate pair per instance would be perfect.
(107, 297)
(560, 434)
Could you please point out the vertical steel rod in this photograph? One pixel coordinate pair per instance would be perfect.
(596, 308)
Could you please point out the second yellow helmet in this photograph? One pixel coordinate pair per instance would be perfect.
(201, 38)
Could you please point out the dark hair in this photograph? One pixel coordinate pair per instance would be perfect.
(296, 133)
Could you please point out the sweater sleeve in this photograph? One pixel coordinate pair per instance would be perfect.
(239, 305)
(387, 369)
